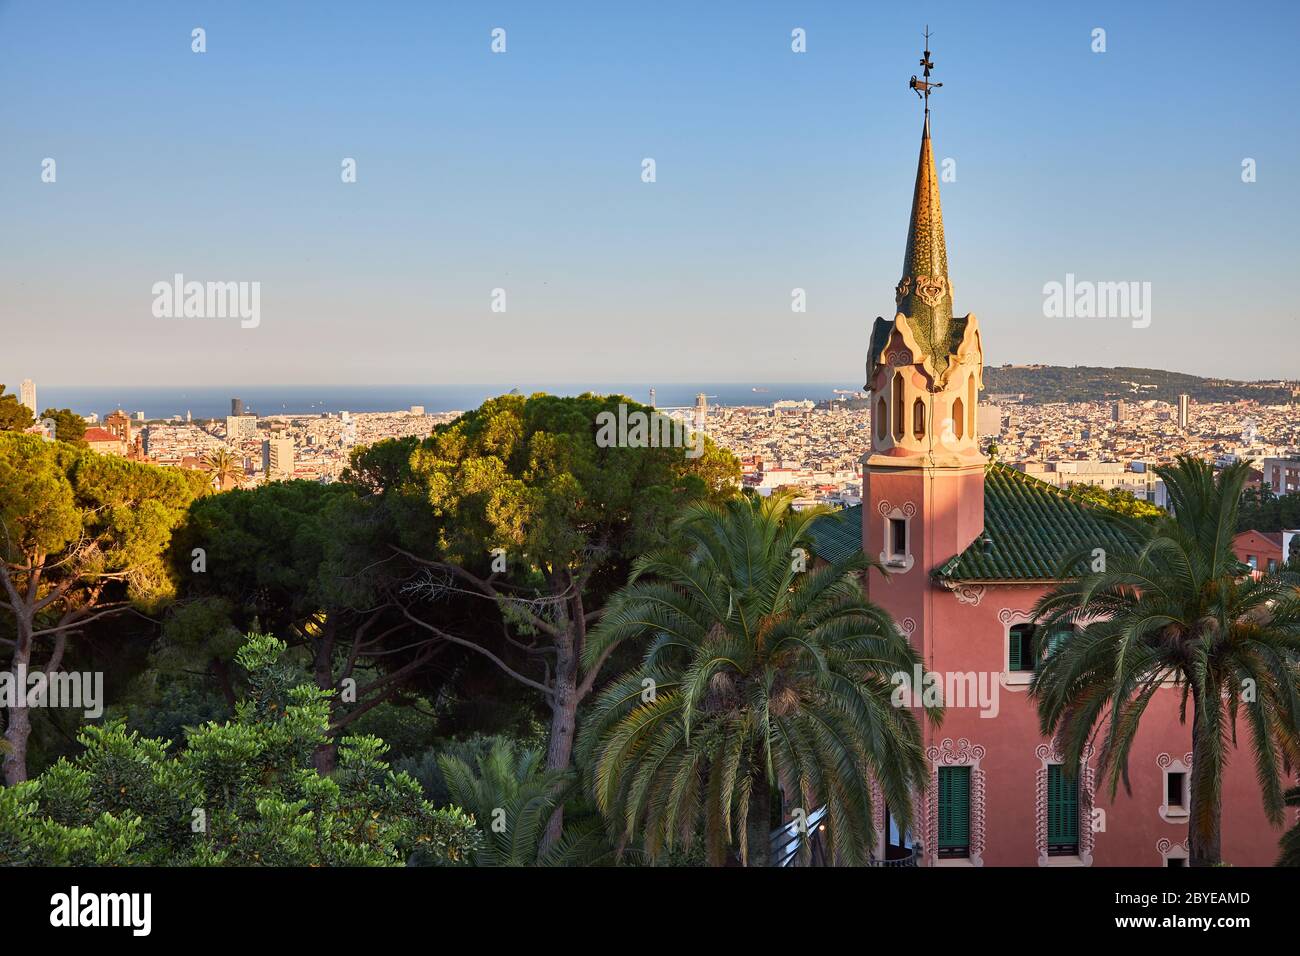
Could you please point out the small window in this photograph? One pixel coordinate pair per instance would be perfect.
(1175, 785)
(1179, 861)
(898, 537)
(1252, 561)
(918, 419)
(897, 401)
(1021, 655)
(1272, 565)
(954, 812)
(882, 419)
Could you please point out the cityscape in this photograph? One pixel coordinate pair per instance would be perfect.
(812, 447)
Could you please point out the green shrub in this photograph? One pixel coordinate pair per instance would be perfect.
(240, 793)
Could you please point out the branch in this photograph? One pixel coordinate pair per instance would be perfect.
(526, 681)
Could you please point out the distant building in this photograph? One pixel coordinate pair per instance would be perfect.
(27, 394)
(120, 425)
(277, 458)
(236, 407)
(701, 411)
(1184, 409)
(417, 409)
(1262, 550)
(1282, 474)
(104, 441)
(1120, 412)
(241, 427)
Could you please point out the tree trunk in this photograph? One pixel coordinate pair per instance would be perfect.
(19, 719)
(1202, 849)
(564, 721)
(221, 671)
(326, 756)
(758, 834)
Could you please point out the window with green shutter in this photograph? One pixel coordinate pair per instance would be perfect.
(1062, 812)
(1021, 651)
(954, 811)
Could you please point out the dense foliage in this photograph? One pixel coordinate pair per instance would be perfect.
(759, 672)
(238, 793)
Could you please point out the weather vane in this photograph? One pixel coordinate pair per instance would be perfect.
(924, 86)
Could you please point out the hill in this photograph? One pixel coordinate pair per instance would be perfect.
(1082, 383)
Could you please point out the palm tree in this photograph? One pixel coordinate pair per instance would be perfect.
(512, 798)
(756, 674)
(225, 468)
(1178, 612)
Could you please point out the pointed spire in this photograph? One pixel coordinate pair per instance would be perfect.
(924, 293)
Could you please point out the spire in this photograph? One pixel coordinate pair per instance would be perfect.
(934, 337)
(924, 294)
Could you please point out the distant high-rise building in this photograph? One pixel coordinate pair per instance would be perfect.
(139, 416)
(277, 458)
(236, 407)
(1184, 410)
(652, 397)
(1120, 412)
(417, 409)
(27, 394)
(188, 417)
(701, 410)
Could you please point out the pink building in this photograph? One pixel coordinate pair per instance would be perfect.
(968, 547)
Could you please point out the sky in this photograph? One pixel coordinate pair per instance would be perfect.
(523, 171)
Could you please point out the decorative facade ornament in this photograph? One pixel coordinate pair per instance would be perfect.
(899, 357)
(970, 594)
(931, 289)
(903, 288)
(908, 509)
(1049, 754)
(961, 754)
(1169, 850)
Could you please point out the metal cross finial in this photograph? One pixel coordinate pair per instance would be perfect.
(924, 86)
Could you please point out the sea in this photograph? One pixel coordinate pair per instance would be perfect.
(163, 401)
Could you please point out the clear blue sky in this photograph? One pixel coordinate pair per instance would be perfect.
(522, 171)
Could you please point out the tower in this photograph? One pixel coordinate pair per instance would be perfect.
(27, 393)
(924, 473)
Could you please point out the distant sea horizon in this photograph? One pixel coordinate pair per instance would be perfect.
(164, 401)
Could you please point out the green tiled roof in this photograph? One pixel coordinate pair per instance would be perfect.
(838, 536)
(1031, 528)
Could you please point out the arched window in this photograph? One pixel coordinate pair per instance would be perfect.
(897, 401)
(958, 419)
(918, 419)
(970, 405)
(882, 419)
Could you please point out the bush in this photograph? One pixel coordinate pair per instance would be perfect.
(239, 793)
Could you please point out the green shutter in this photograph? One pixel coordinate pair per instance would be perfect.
(1015, 649)
(1062, 806)
(954, 807)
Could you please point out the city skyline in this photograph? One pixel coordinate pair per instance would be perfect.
(523, 171)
